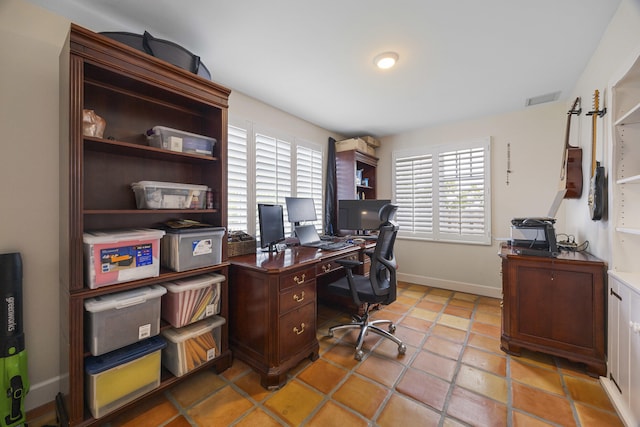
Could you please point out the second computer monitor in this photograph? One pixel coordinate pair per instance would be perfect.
(301, 209)
(359, 215)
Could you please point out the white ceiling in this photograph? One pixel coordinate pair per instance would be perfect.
(459, 59)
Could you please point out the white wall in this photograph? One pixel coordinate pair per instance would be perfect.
(619, 46)
(30, 42)
(536, 137)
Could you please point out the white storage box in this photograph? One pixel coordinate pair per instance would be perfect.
(190, 300)
(169, 195)
(118, 377)
(186, 249)
(122, 318)
(121, 256)
(179, 140)
(191, 346)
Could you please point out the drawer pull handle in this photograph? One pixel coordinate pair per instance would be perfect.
(299, 280)
(299, 298)
(299, 331)
(326, 268)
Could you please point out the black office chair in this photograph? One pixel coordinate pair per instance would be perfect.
(378, 288)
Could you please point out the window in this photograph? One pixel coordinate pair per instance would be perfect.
(443, 192)
(263, 168)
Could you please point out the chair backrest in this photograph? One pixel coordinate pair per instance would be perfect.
(382, 272)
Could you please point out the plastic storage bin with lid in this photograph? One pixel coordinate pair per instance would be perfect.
(179, 140)
(190, 248)
(121, 318)
(190, 300)
(121, 256)
(116, 378)
(169, 195)
(191, 346)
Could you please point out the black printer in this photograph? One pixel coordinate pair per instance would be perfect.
(534, 236)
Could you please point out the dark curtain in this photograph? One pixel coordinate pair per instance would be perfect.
(330, 217)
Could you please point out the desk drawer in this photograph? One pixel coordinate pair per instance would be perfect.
(297, 278)
(297, 296)
(329, 265)
(297, 330)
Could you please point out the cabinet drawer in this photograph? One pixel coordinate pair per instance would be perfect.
(297, 330)
(297, 296)
(297, 278)
(330, 265)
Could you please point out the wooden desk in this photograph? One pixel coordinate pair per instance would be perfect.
(555, 306)
(273, 306)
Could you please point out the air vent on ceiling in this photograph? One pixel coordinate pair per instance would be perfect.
(541, 99)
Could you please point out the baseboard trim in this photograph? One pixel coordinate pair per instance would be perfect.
(450, 285)
(42, 393)
(616, 398)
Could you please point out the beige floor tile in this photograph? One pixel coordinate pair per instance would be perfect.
(362, 395)
(423, 314)
(401, 411)
(323, 375)
(443, 347)
(536, 376)
(258, 417)
(475, 409)
(484, 383)
(548, 406)
(333, 415)
(590, 416)
(380, 369)
(220, 409)
(588, 391)
(435, 365)
(294, 402)
(454, 322)
(425, 388)
(490, 362)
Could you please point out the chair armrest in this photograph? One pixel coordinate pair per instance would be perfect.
(349, 263)
(369, 252)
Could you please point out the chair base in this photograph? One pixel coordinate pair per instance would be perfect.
(364, 325)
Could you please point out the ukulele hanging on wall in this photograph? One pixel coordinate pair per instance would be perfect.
(596, 188)
(571, 172)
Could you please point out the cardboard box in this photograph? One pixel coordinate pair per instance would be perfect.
(355, 144)
(122, 318)
(119, 377)
(371, 141)
(190, 300)
(192, 346)
(121, 256)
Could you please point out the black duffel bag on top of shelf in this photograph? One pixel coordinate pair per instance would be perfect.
(163, 49)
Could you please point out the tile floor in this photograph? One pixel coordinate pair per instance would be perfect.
(453, 374)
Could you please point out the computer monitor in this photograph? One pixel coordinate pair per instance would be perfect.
(300, 209)
(360, 215)
(271, 220)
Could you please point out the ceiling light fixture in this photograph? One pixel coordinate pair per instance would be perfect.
(386, 60)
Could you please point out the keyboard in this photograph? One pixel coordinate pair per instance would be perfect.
(334, 246)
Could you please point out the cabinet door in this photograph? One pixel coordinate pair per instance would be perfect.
(623, 343)
(634, 354)
(614, 330)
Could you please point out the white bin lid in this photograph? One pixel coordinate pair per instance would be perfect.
(178, 335)
(158, 129)
(93, 237)
(197, 282)
(171, 185)
(124, 299)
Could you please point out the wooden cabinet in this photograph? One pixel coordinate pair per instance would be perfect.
(273, 311)
(133, 92)
(623, 381)
(555, 306)
(348, 163)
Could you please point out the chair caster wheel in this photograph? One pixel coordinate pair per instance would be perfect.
(402, 349)
(359, 355)
(392, 328)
